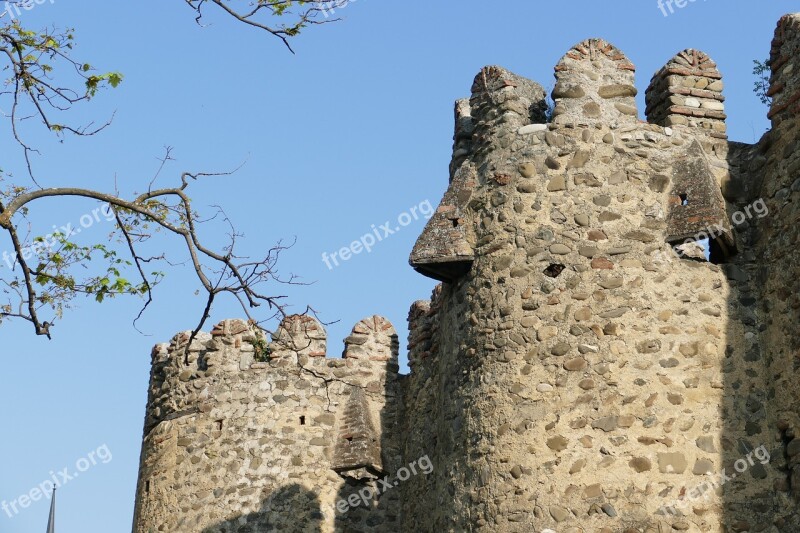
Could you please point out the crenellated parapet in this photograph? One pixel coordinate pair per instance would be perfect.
(687, 91)
(678, 173)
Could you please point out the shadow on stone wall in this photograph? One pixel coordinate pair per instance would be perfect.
(761, 412)
(377, 509)
(290, 509)
(365, 449)
(746, 413)
(760, 409)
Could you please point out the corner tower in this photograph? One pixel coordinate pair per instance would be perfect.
(246, 435)
(576, 378)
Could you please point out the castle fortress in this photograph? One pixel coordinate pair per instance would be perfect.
(572, 373)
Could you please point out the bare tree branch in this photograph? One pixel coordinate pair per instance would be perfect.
(32, 57)
(256, 13)
(169, 209)
(47, 272)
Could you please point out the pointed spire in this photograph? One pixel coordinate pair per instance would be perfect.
(51, 522)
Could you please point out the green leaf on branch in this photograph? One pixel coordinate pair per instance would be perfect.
(94, 83)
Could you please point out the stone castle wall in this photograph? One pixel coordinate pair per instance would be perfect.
(584, 366)
(772, 274)
(234, 445)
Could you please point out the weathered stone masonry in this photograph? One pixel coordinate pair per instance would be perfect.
(570, 373)
(236, 445)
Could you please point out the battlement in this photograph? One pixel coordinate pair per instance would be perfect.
(594, 98)
(235, 346)
(687, 91)
(595, 84)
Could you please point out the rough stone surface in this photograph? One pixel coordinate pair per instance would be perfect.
(572, 373)
(276, 445)
(688, 91)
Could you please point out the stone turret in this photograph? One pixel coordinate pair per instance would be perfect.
(232, 420)
(550, 339)
(590, 372)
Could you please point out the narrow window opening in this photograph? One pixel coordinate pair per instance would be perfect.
(303, 420)
(684, 198)
(718, 252)
(455, 222)
(147, 487)
(219, 425)
(710, 250)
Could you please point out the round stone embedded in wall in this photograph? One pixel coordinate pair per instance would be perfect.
(528, 170)
(640, 464)
(560, 249)
(592, 110)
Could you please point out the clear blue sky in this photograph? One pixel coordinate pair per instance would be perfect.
(352, 131)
